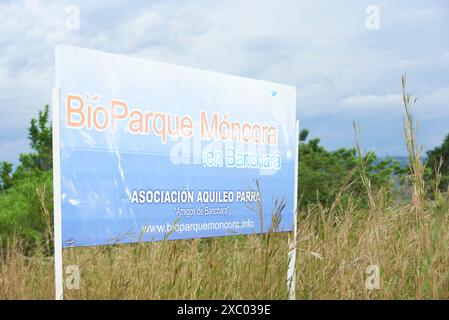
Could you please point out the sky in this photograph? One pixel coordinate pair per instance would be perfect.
(346, 57)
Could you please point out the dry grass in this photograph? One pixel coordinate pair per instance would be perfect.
(413, 258)
(334, 251)
(232, 268)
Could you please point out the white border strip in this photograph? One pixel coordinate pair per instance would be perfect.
(59, 288)
(291, 272)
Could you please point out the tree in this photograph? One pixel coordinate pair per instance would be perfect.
(303, 135)
(40, 137)
(323, 173)
(27, 194)
(5, 175)
(438, 159)
(40, 158)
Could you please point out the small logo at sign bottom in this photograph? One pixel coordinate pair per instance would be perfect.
(70, 242)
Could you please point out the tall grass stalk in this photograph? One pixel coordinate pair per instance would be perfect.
(413, 148)
(362, 164)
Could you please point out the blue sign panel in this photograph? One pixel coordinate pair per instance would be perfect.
(150, 151)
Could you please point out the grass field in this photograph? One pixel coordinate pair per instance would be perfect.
(411, 249)
(407, 240)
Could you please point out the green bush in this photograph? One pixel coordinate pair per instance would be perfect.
(26, 210)
(26, 195)
(323, 174)
(438, 165)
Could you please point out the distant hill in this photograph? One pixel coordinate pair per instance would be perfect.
(403, 160)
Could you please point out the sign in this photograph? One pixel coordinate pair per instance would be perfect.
(148, 151)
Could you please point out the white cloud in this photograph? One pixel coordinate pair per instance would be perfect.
(427, 106)
(433, 105)
(371, 101)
